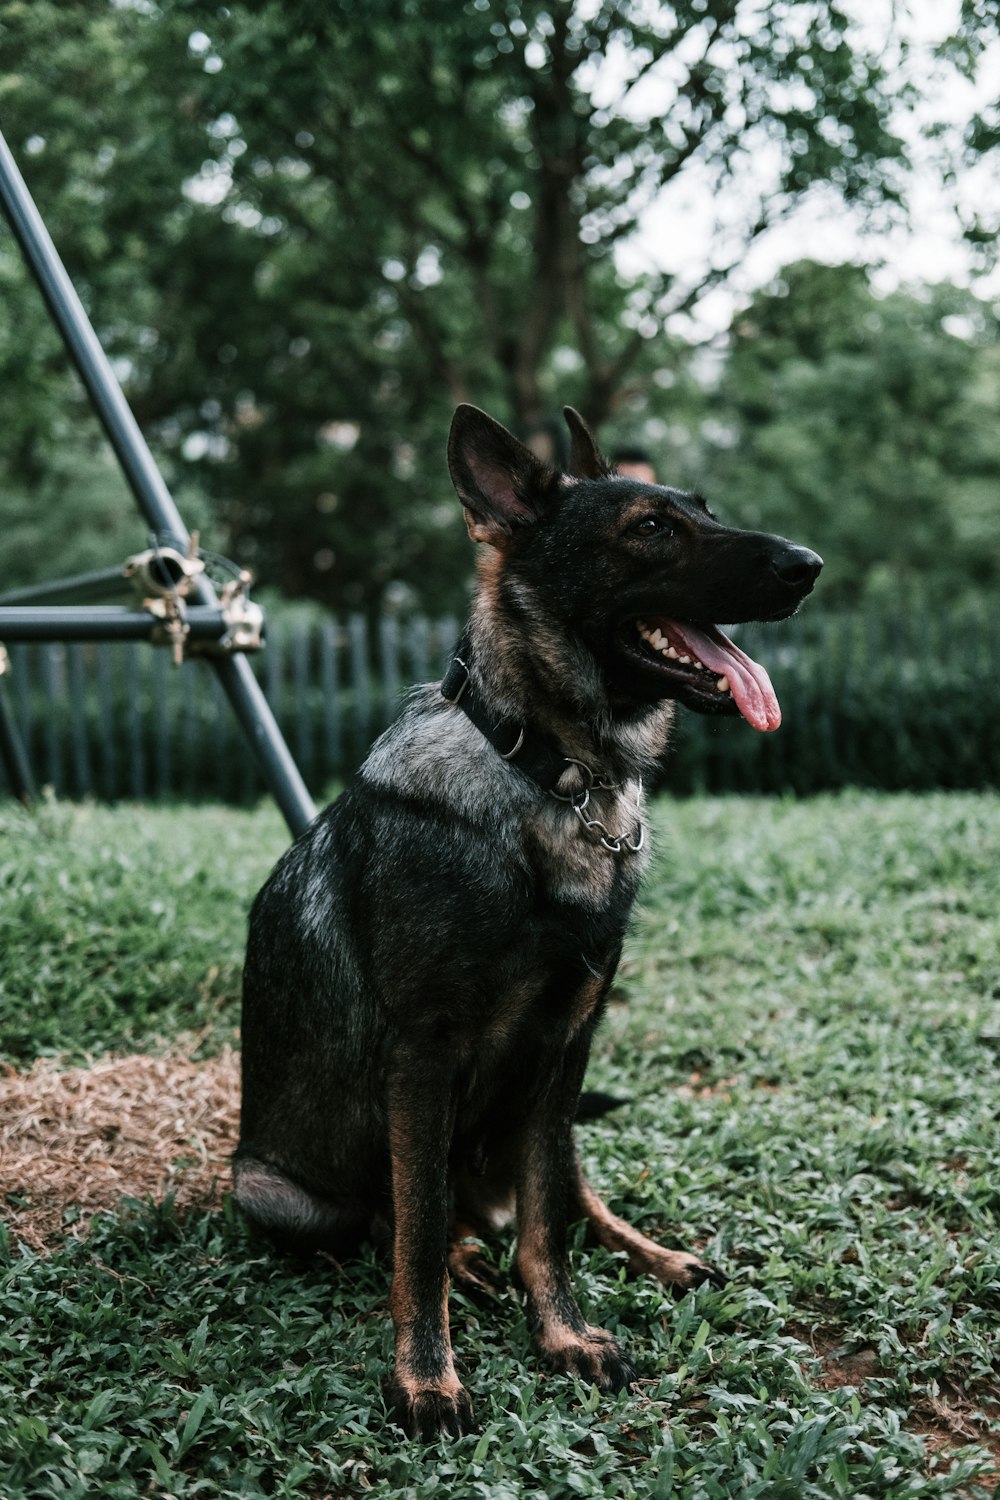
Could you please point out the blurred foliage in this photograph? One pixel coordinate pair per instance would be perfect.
(863, 425)
(303, 232)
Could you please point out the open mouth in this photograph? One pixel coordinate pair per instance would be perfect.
(708, 670)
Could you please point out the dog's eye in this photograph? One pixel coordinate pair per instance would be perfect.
(651, 526)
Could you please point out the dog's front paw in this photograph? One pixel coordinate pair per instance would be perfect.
(426, 1411)
(595, 1357)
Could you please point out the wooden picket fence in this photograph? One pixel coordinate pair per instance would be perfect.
(891, 697)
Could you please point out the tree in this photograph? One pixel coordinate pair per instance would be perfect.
(866, 426)
(495, 154)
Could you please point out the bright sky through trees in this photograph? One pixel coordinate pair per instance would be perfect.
(687, 225)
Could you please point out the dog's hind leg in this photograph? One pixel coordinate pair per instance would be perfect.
(484, 1203)
(294, 1217)
(675, 1268)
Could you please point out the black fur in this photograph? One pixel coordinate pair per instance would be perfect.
(427, 964)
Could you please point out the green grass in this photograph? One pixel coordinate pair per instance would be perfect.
(121, 928)
(809, 1046)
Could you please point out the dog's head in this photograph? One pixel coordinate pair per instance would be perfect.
(640, 572)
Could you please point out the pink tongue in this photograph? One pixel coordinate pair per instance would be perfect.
(749, 683)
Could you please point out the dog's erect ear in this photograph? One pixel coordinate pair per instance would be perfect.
(585, 458)
(499, 481)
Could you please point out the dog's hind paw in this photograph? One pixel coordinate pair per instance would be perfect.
(701, 1272)
(596, 1359)
(425, 1412)
(472, 1273)
(696, 1273)
(676, 1269)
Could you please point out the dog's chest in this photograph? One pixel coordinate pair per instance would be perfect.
(591, 853)
(560, 952)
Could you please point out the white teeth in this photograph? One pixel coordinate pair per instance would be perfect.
(723, 684)
(660, 643)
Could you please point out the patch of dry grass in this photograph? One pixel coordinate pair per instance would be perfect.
(74, 1142)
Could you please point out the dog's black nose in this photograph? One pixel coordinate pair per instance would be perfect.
(796, 566)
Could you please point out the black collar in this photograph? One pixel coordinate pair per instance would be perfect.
(536, 754)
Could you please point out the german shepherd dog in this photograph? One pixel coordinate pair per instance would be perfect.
(428, 963)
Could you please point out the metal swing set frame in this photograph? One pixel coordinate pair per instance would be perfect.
(175, 602)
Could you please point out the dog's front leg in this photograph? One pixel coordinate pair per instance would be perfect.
(545, 1177)
(425, 1394)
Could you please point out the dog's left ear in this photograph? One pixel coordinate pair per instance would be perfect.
(586, 460)
(500, 482)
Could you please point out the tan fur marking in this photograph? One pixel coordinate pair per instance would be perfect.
(647, 504)
(407, 1203)
(535, 1266)
(402, 1308)
(404, 1305)
(554, 1336)
(636, 511)
(452, 1389)
(586, 1000)
(566, 1347)
(557, 1339)
(447, 1384)
(489, 570)
(482, 531)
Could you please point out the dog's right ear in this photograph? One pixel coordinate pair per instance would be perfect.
(499, 481)
(586, 461)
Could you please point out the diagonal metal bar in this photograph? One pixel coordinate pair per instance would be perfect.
(145, 480)
(101, 588)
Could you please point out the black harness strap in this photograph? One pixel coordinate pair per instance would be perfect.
(537, 755)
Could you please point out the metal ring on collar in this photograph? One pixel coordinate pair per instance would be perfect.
(465, 683)
(591, 776)
(511, 753)
(589, 784)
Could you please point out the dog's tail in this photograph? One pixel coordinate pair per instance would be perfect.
(592, 1104)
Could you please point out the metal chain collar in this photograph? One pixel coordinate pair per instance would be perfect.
(615, 843)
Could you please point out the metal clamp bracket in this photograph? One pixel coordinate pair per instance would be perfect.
(163, 572)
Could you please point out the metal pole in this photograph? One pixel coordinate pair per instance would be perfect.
(98, 623)
(150, 491)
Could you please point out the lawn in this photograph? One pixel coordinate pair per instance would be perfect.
(806, 1030)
